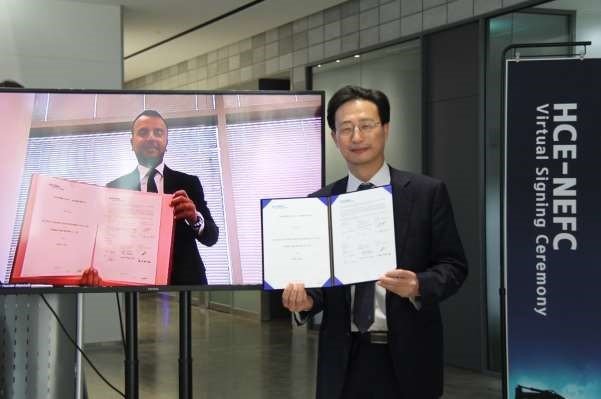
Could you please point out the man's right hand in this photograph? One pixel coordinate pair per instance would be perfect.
(295, 298)
(91, 278)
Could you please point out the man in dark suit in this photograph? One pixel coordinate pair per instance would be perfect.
(384, 340)
(193, 218)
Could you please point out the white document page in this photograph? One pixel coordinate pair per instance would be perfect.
(61, 243)
(128, 236)
(296, 242)
(363, 235)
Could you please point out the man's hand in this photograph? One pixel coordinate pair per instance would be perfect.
(402, 282)
(295, 298)
(183, 207)
(90, 277)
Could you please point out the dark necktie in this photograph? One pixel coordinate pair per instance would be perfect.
(151, 186)
(363, 305)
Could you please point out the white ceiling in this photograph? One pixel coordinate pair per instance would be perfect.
(147, 22)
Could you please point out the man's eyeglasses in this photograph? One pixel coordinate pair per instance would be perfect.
(365, 127)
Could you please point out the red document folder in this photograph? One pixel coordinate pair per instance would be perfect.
(69, 226)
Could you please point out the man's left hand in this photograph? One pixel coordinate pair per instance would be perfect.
(402, 282)
(183, 207)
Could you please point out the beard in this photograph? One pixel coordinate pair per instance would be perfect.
(148, 160)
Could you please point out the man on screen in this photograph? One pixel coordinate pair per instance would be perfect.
(193, 218)
(384, 340)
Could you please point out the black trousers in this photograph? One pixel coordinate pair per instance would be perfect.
(370, 373)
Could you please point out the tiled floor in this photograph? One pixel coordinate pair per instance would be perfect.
(234, 358)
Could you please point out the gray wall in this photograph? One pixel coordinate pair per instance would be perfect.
(100, 317)
(352, 26)
(36, 358)
(54, 44)
(60, 44)
(453, 154)
(248, 303)
(588, 15)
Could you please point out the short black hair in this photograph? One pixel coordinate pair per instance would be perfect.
(11, 83)
(348, 93)
(151, 113)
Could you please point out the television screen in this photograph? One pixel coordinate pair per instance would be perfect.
(139, 190)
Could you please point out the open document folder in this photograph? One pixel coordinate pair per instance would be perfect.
(68, 226)
(328, 241)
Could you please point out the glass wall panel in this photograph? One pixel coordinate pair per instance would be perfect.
(555, 21)
(586, 15)
(536, 26)
(395, 70)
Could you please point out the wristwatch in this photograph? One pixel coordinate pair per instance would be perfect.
(197, 225)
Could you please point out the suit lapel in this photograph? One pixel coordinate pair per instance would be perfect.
(168, 181)
(402, 202)
(339, 187)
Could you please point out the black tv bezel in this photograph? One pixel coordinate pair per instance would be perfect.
(14, 289)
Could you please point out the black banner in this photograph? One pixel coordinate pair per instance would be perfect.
(553, 229)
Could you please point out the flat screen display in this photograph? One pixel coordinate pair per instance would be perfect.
(147, 190)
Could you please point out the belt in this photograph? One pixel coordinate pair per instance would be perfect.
(373, 337)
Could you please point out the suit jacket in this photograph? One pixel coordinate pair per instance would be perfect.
(187, 266)
(427, 243)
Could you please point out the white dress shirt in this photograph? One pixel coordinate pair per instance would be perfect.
(159, 180)
(381, 178)
(158, 177)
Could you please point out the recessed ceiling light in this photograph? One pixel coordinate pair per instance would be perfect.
(337, 60)
(357, 55)
(318, 65)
